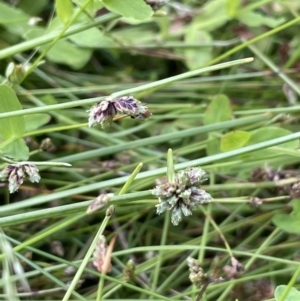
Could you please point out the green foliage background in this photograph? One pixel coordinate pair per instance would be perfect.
(221, 80)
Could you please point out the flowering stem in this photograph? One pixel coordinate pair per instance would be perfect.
(56, 129)
(43, 163)
(48, 163)
(201, 256)
(202, 291)
(218, 230)
(86, 258)
(290, 285)
(130, 179)
(122, 191)
(170, 166)
(160, 255)
(204, 237)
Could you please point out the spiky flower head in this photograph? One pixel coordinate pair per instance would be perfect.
(99, 202)
(99, 254)
(183, 195)
(196, 276)
(132, 107)
(128, 271)
(15, 74)
(16, 173)
(102, 113)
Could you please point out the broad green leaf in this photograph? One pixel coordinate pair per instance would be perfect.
(92, 37)
(13, 19)
(213, 15)
(234, 140)
(269, 133)
(92, 7)
(63, 52)
(254, 19)
(213, 144)
(136, 9)
(17, 150)
(164, 23)
(134, 35)
(293, 294)
(218, 110)
(289, 222)
(64, 9)
(197, 57)
(232, 7)
(296, 206)
(35, 121)
(12, 126)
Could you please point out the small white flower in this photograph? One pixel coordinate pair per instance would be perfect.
(102, 113)
(16, 173)
(183, 195)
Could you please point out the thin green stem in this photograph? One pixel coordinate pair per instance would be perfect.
(100, 288)
(170, 166)
(276, 69)
(213, 223)
(261, 247)
(160, 256)
(254, 40)
(86, 259)
(131, 179)
(290, 285)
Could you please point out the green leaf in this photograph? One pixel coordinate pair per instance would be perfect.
(213, 144)
(213, 15)
(92, 37)
(17, 150)
(234, 140)
(62, 52)
(64, 9)
(289, 222)
(232, 7)
(286, 222)
(136, 9)
(92, 7)
(293, 294)
(35, 121)
(269, 133)
(134, 34)
(254, 19)
(12, 126)
(197, 57)
(218, 110)
(13, 19)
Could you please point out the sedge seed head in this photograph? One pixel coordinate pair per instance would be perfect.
(183, 195)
